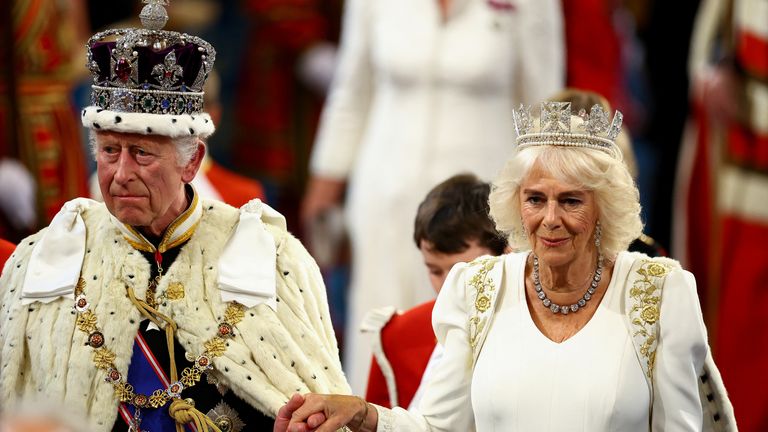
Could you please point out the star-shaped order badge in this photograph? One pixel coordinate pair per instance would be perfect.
(226, 418)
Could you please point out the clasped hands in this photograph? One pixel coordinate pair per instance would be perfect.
(325, 413)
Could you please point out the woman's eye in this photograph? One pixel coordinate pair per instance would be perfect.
(571, 201)
(534, 199)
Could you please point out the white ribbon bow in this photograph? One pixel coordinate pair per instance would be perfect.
(247, 266)
(57, 258)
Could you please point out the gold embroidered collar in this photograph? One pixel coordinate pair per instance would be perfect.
(179, 231)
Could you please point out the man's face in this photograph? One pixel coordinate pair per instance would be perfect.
(140, 179)
(439, 264)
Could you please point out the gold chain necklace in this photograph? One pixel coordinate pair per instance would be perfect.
(104, 358)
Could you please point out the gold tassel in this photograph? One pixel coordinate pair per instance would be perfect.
(184, 412)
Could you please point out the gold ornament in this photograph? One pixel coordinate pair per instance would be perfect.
(175, 291)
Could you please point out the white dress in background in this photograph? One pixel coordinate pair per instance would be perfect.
(415, 100)
(591, 382)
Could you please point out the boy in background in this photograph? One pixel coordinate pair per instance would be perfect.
(452, 225)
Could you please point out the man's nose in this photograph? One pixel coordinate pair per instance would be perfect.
(126, 167)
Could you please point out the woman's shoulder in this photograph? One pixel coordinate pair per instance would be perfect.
(639, 263)
(482, 266)
(637, 270)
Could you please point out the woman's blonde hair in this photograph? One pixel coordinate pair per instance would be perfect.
(616, 196)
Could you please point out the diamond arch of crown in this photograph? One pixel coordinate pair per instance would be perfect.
(595, 129)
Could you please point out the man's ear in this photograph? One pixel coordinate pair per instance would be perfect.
(190, 170)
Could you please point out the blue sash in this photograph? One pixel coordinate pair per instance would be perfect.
(146, 375)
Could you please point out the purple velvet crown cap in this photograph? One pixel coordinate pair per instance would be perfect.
(149, 80)
(188, 57)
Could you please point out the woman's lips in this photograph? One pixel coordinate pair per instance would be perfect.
(553, 242)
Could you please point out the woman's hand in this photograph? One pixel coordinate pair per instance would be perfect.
(322, 194)
(283, 418)
(326, 413)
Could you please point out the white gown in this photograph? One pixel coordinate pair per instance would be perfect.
(414, 101)
(591, 382)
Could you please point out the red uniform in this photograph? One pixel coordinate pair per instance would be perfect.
(407, 342)
(593, 54)
(39, 125)
(726, 181)
(6, 249)
(233, 188)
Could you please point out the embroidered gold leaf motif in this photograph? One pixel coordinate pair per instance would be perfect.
(650, 314)
(657, 270)
(103, 358)
(86, 322)
(234, 313)
(646, 297)
(175, 291)
(482, 303)
(651, 363)
(124, 391)
(190, 377)
(215, 347)
(158, 398)
(80, 287)
(483, 288)
(488, 264)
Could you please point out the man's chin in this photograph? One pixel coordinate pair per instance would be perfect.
(132, 217)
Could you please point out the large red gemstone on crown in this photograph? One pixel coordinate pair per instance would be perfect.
(123, 69)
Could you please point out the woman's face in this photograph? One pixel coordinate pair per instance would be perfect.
(559, 218)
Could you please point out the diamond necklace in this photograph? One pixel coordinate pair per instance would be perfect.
(556, 308)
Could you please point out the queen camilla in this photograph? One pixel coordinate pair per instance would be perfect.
(572, 332)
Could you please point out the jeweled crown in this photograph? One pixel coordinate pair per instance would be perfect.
(149, 70)
(595, 129)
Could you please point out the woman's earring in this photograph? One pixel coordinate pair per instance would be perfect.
(598, 234)
(522, 227)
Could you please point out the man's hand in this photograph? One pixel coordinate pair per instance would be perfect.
(328, 413)
(286, 412)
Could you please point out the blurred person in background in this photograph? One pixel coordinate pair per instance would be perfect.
(452, 225)
(40, 416)
(422, 90)
(38, 121)
(18, 209)
(283, 69)
(722, 192)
